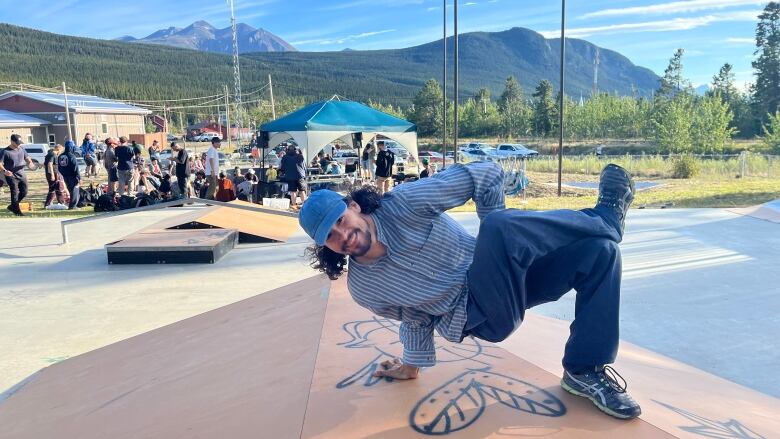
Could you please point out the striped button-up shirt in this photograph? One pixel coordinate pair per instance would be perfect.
(422, 279)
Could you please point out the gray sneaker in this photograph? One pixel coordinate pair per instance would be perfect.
(602, 388)
(616, 191)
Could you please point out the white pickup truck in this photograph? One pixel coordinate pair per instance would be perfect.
(514, 150)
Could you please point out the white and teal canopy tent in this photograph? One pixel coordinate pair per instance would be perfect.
(316, 125)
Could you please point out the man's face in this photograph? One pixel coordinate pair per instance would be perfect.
(216, 145)
(351, 235)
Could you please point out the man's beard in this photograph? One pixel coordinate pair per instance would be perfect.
(362, 248)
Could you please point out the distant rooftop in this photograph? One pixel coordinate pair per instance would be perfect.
(79, 103)
(11, 119)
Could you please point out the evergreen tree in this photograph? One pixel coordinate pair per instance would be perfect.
(766, 95)
(673, 81)
(427, 113)
(724, 88)
(723, 84)
(512, 109)
(771, 130)
(544, 108)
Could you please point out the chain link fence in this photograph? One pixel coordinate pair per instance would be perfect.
(742, 165)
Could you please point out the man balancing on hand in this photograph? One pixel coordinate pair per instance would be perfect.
(408, 261)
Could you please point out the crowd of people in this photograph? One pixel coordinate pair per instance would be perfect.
(130, 171)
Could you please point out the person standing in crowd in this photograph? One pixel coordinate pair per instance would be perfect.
(367, 162)
(50, 168)
(12, 161)
(225, 190)
(89, 153)
(68, 167)
(293, 167)
(154, 152)
(136, 148)
(384, 168)
(109, 163)
(124, 156)
(183, 169)
(139, 172)
(212, 167)
(428, 170)
(255, 151)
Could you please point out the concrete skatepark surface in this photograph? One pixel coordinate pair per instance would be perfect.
(700, 286)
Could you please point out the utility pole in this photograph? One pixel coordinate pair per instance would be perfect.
(236, 74)
(444, 87)
(273, 104)
(457, 84)
(596, 62)
(560, 102)
(67, 112)
(227, 116)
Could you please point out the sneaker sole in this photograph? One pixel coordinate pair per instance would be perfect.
(604, 409)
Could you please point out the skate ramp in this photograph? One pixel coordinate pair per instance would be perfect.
(269, 225)
(768, 211)
(172, 247)
(286, 365)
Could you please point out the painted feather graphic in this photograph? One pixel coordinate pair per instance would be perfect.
(461, 401)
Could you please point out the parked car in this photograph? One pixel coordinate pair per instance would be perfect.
(473, 155)
(514, 150)
(172, 137)
(165, 157)
(206, 137)
(37, 152)
(475, 145)
(346, 157)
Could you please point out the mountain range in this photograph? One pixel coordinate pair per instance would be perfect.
(131, 71)
(201, 35)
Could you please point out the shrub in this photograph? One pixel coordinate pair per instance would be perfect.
(685, 166)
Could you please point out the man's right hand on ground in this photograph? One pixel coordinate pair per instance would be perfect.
(396, 369)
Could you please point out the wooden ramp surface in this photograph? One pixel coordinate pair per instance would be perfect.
(241, 371)
(248, 371)
(270, 225)
(768, 211)
(476, 390)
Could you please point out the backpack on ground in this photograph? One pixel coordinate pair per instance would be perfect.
(105, 203)
(143, 200)
(126, 202)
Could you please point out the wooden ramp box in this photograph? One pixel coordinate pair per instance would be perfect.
(204, 246)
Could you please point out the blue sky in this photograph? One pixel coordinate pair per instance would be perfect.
(647, 32)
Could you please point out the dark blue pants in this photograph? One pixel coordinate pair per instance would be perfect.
(75, 191)
(523, 259)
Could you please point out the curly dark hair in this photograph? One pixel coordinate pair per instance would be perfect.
(326, 260)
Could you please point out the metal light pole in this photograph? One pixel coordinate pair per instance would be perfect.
(444, 85)
(457, 86)
(560, 102)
